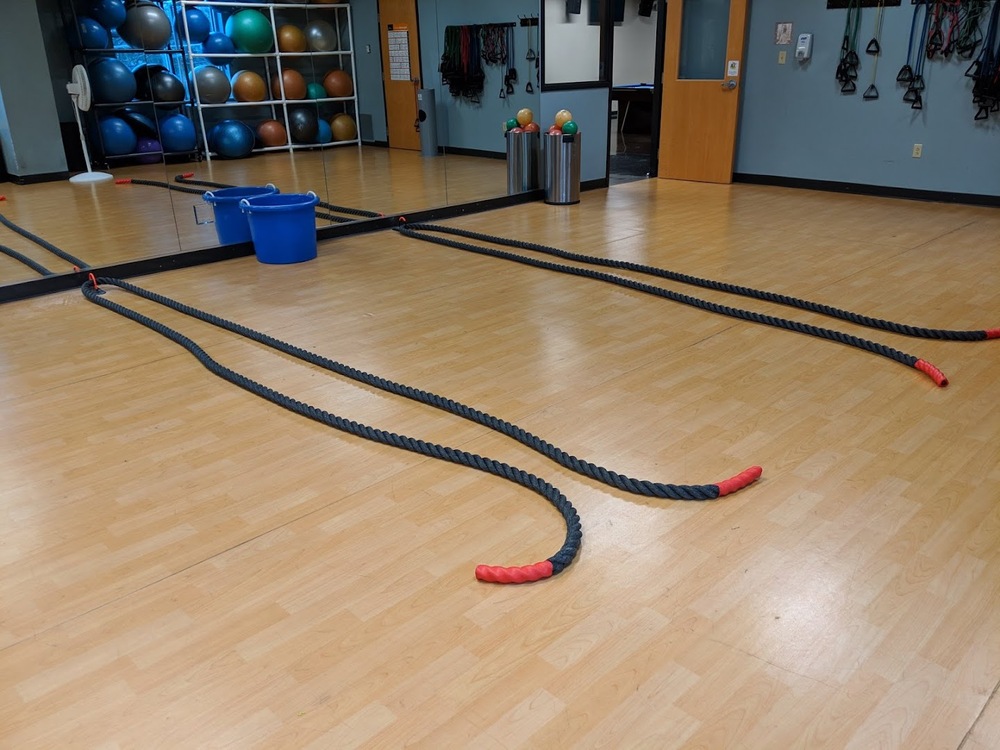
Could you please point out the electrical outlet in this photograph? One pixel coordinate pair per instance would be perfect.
(918, 150)
(368, 49)
(782, 56)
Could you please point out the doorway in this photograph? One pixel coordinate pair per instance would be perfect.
(636, 90)
(401, 77)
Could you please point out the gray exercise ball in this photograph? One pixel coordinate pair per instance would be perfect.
(146, 27)
(212, 85)
(321, 36)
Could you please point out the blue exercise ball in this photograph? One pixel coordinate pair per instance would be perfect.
(91, 34)
(116, 136)
(217, 44)
(231, 139)
(325, 132)
(177, 134)
(111, 81)
(109, 13)
(198, 25)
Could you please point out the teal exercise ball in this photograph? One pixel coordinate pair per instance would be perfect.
(250, 31)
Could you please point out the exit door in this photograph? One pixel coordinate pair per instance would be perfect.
(400, 71)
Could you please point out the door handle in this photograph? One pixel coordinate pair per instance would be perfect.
(729, 85)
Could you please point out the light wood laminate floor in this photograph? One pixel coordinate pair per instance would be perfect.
(183, 565)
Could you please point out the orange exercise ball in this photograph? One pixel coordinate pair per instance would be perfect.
(295, 85)
(272, 133)
(338, 83)
(249, 87)
(291, 38)
(344, 128)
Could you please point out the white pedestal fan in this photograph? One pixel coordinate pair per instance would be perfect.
(79, 91)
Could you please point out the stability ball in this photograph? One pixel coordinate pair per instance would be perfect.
(294, 83)
(324, 133)
(304, 124)
(166, 87)
(111, 82)
(291, 38)
(143, 75)
(344, 128)
(315, 91)
(91, 34)
(150, 148)
(321, 36)
(250, 31)
(338, 83)
(146, 27)
(211, 84)
(216, 48)
(116, 136)
(140, 123)
(272, 133)
(109, 13)
(177, 134)
(249, 87)
(198, 25)
(231, 139)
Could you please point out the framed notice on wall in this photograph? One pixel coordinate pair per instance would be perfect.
(399, 53)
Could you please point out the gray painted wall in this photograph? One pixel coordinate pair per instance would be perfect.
(368, 71)
(29, 119)
(796, 123)
(461, 124)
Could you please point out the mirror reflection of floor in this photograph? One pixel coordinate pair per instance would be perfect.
(630, 157)
(109, 223)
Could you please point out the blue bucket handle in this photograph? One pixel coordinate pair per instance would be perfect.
(245, 203)
(210, 194)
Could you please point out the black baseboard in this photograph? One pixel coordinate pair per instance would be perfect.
(31, 179)
(380, 144)
(597, 184)
(882, 191)
(472, 152)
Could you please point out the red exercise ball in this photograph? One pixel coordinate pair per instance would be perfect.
(272, 133)
(338, 83)
(249, 87)
(295, 85)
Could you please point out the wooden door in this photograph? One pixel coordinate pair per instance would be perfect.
(400, 70)
(703, 65)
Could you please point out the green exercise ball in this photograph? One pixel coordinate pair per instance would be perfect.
(250, 31)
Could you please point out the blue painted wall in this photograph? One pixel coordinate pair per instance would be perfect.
(796, 123)
(461, 124)
(368, 71)
(590, 110)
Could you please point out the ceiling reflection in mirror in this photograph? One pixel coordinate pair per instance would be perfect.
(420, 134)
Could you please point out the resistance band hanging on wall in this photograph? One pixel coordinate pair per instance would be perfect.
(847, 68)
(985, 71)
(874, 49)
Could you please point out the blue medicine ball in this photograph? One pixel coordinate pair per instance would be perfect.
(217, 44)
(109, 13)
(116, 136)
(198, 25)
(325, 132)
(91, 34)
(111, 81)
(177, 134)
(231, 139)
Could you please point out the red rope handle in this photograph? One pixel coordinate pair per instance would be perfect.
(931, 371)
(741, 480)
(515, 574)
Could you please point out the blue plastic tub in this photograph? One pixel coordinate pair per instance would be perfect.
(231, 223)
(283, 226)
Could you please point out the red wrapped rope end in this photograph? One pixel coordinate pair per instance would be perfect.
(741, 480)
(518, 574)
(932, 372)
(993, 333)
(124, 181)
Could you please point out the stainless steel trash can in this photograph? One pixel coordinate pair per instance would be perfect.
(522, 162)
(427, 122)
(561, 155)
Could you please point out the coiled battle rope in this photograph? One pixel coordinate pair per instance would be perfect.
(422, 232)
(43, 243)
(33, 265)
(186, 179)
(494, 574)
(586, 468)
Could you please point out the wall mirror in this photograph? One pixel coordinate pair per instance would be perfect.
(395, 69)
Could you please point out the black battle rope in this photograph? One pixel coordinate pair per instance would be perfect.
(909, 360)
(722, 286)
(593, 471)
(494, 574)
(33, 265)
(186, 179)
(77, 263)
